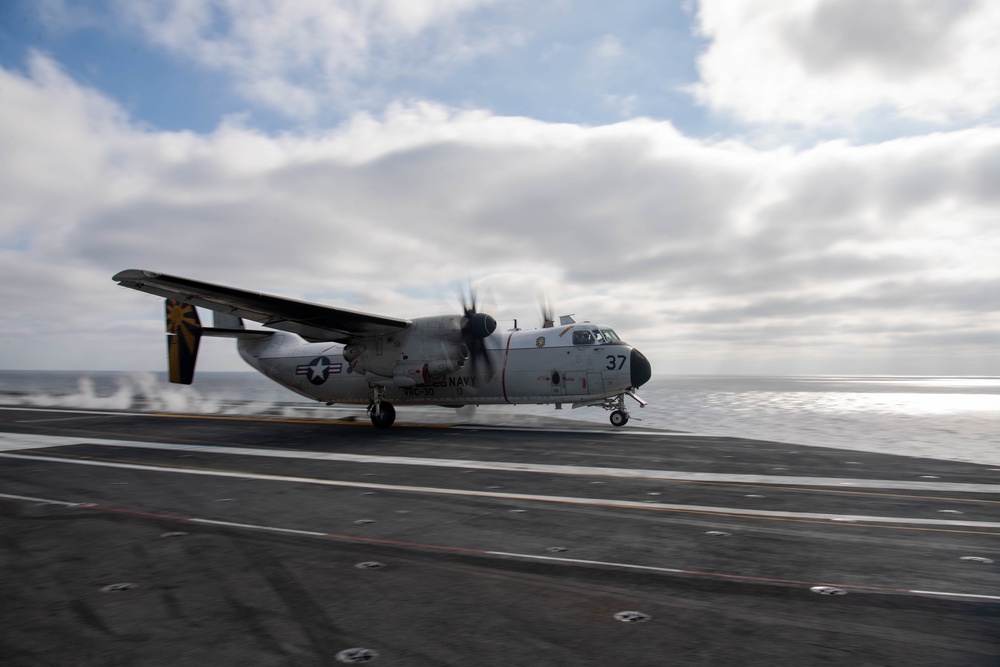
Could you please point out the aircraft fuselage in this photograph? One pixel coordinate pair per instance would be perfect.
(579, 363)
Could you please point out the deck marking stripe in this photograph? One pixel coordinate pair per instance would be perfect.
(740, 577)
(623, 504)
(499, 554)
(72, 412)
(8, 441)
(773, 487)
(44, 501)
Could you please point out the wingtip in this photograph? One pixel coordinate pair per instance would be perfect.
(133, 274)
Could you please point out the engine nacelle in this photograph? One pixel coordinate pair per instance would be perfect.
(443, 366)
(409, 373)
(352, 352)
(454, 358)
(431, 351)
(404, 374)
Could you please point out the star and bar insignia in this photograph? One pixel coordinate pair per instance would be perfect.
(318, 370)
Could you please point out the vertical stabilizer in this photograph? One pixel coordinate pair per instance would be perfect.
(183, 337)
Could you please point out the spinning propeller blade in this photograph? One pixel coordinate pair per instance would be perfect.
(548, 314)
(476, 327)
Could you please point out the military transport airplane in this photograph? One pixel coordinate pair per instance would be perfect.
(336, 355)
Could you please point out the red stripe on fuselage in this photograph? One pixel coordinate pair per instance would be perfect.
(503, 371)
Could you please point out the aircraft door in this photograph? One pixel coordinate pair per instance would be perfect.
(575, 375)
(595, 381)
(558, 380)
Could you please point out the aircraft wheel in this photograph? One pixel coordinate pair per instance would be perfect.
(386, 416)
(619, 418)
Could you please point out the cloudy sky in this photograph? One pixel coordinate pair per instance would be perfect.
(759, 186)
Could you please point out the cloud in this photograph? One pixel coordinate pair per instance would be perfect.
(818, 62)
(699, 252)
(608, 47)
(52, 136)
(296, 56)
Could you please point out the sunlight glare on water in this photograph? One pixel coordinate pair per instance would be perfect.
(939, 417)
(887, 403)
(950, 418)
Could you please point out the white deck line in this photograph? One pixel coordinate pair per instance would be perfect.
(552, 559)
(602, 502)
(18, 441)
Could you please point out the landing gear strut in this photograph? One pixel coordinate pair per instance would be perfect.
(381, 412)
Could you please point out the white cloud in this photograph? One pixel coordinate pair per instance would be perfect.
(608, 47)
(695, 251)
(296, 55)
(624, 104)
(52, 136)
(827, 61)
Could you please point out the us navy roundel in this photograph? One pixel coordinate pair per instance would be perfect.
(318, 370)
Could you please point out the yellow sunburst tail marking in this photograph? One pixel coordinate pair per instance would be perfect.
(183, 336)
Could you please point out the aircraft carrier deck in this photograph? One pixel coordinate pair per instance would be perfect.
(131, 539)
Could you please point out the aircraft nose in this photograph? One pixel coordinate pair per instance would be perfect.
(641, 370)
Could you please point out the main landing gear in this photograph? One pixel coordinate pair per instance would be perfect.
(381, 412)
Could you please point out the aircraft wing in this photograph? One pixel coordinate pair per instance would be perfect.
(312, 321)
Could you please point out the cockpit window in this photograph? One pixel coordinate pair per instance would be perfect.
(595, 337)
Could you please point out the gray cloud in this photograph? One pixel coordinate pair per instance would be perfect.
(840, 62)
(899, 37)
(697, 252)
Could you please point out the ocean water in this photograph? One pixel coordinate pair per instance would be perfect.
(956, 418)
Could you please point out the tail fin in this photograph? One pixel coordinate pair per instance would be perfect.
(183, 337)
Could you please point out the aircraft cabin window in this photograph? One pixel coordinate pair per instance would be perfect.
(583, 337)
(610, 336)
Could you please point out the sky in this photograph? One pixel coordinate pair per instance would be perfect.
(735, 187)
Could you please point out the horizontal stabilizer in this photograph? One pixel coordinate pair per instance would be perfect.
(242, 334)
(227, 321)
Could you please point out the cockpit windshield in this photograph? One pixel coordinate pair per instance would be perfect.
(595, 337)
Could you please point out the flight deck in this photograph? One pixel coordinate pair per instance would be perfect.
(144, 539)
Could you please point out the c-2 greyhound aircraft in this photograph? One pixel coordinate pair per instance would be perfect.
(336, 355)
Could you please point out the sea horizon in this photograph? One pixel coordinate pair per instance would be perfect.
(954, 417)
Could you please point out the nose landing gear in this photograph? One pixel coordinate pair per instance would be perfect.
(619, 414)
(619, 418)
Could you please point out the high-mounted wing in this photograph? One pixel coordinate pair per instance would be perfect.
(312, 321)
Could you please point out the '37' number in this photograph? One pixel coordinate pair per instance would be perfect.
(615, 363)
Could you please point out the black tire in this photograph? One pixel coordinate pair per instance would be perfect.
(386, 416)
(619, 418)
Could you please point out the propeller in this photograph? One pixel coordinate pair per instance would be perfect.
(476, 327)
(548, 314)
